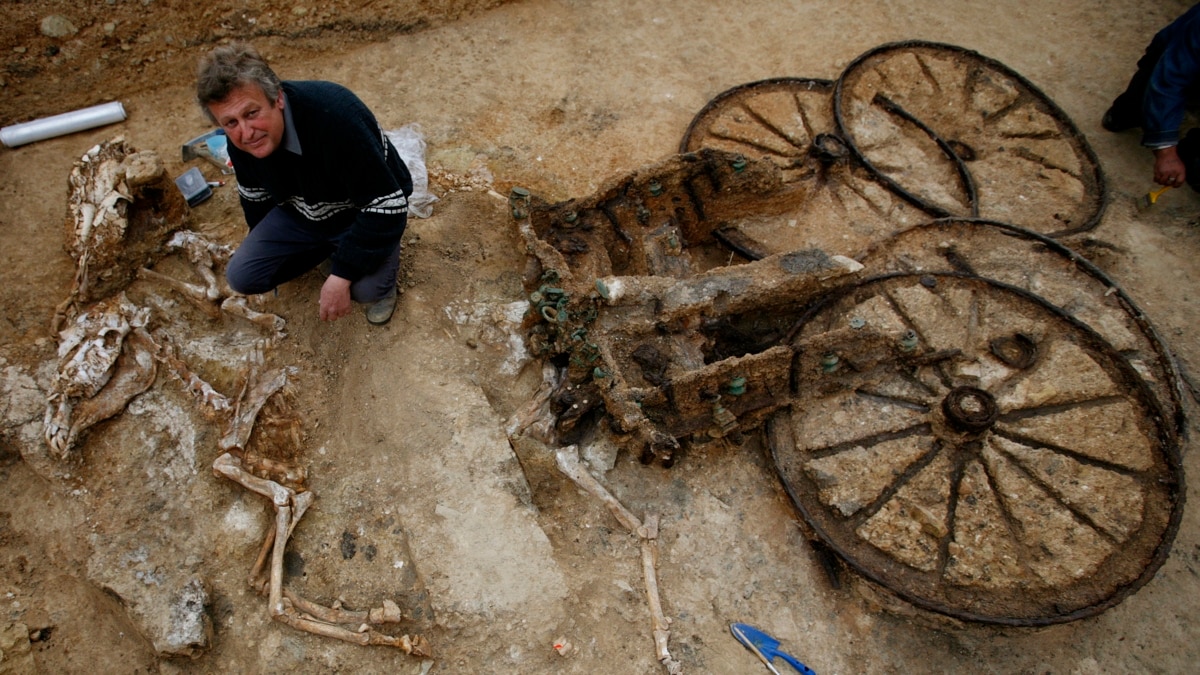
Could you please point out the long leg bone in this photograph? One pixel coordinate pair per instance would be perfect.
(237, 306)
(283, 518)
(195, 293)
(256, 579)
(572, 467)
(660, 624)
(536, 419)
(417, 646)
(388, 613)
(291, 609)
(569, 463)
(290, 506)
(204, 256)
(300, 504)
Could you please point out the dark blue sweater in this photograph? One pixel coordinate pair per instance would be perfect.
(1173, 77)
(347, 176)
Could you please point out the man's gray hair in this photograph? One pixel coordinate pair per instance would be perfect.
(226, 68)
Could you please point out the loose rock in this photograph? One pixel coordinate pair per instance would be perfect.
(57, 26)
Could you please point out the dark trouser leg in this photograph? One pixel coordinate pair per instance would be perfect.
(1126, 109)
(284, 246)
(378, 284)
(1189, 152)
(280, 248)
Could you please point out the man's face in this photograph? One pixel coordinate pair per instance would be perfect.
(253, 123)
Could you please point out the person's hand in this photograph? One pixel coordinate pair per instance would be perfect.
(335, 298)
(1168, 168)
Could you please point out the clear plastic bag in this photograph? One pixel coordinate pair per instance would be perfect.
(410, 143)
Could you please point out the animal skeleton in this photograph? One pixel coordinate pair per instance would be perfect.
(107, 357)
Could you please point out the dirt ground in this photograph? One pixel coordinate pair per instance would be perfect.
(493, 554)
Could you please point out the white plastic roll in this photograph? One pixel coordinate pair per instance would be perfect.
(59, 125)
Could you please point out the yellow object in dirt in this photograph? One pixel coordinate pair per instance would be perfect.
(1147, 200)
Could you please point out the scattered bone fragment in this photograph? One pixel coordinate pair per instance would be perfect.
(564, 647)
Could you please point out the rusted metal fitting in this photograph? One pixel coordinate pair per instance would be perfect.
(737, 386)
(518, 200)
(725, 420)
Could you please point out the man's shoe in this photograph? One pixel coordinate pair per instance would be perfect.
(380, 311)
(1110, 122)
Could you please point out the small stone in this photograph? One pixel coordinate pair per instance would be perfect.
(57, 26)
(300, 11)
(564, 647)
(14, 645)
(110, 28)
(19, 50)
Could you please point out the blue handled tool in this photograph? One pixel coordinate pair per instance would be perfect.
(766, 648)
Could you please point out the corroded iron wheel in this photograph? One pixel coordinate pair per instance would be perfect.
(1044, 267)
(779, 119)
(976, 450)
(789, 122)
(960, 134)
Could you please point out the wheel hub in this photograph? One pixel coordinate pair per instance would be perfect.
(969, 409)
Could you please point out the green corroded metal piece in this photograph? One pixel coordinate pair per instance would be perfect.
(737, 386)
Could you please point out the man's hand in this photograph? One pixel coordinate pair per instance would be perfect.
(1168, 168)
(335, 298)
